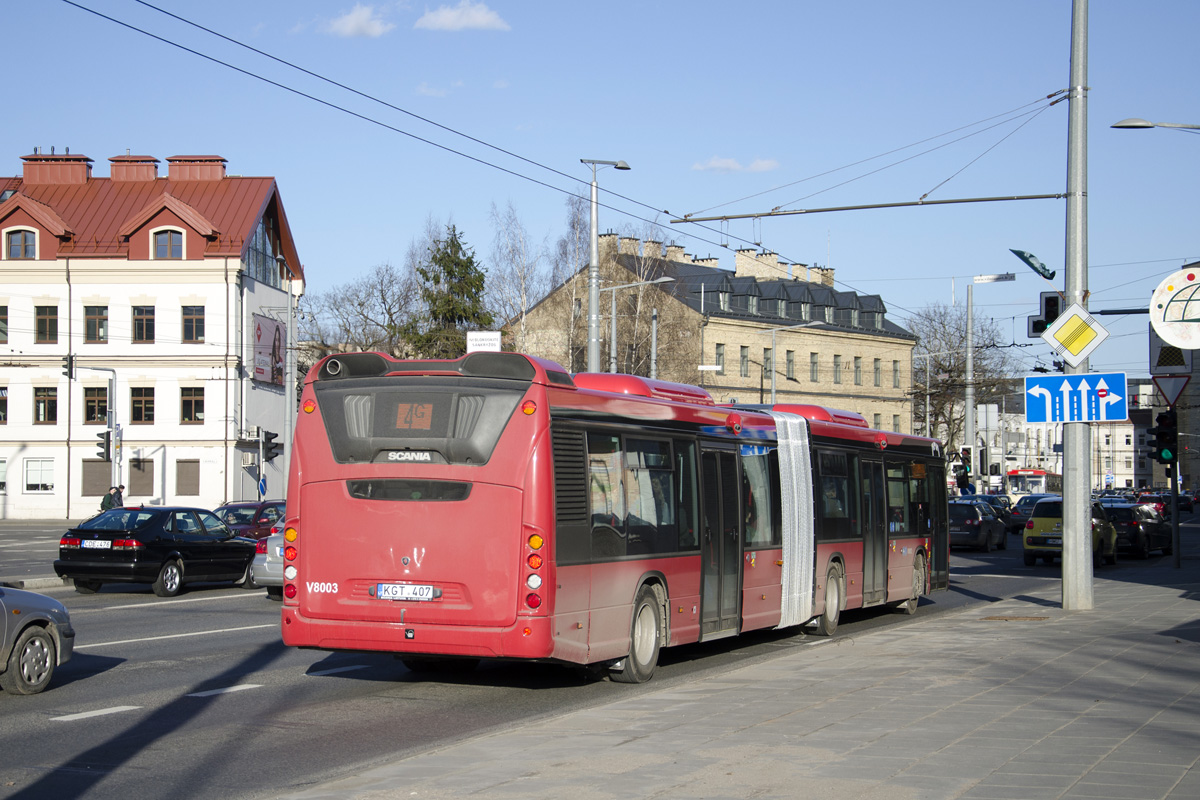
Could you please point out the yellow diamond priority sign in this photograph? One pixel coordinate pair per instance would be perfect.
(1075, 334)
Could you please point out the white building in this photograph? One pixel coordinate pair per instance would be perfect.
(170, 296)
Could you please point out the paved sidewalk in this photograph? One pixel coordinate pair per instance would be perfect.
(1015, 700)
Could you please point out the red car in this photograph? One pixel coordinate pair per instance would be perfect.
(1161, 503)
(252, 519)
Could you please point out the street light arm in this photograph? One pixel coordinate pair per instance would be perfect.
(1135, 123)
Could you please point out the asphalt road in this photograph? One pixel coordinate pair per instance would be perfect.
(195, 697)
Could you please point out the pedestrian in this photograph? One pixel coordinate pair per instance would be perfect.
(109, 500)
(120, 498)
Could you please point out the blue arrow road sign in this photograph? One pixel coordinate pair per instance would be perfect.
(262, 486)
(1094, 397)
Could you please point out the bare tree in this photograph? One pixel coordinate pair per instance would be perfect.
(366, 314)
(517, 278)
(942, 331)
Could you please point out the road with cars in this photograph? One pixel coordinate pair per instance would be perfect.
(195, 697)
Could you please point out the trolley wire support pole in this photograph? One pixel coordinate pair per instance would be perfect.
(1077, 516)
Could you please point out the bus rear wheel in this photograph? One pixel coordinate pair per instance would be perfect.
(828, 621)
(909, 606)
(645, 639)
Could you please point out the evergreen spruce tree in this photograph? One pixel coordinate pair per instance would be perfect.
(451, 289)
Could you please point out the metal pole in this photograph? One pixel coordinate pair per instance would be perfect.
(928, 424)
(1176, 558)
(969, 422)
(612, 336)
(289, 389)
(1077, 536)
(654, 343)
(593, 345)
(772, 367)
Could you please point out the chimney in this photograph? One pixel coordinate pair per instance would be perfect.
(675, 253)
(133, 168)
(41, 169)
(763, 266)
(607, 245)
(652, 249)
(710, 261)
(821, 275)
(195, 168)
(629, 246)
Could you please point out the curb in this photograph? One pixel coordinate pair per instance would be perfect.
(34, 584)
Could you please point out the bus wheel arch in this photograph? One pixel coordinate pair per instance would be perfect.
(647, 634)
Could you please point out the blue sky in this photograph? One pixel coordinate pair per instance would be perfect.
(709, 102)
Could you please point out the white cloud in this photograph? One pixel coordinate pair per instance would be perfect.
(360, 21)
(430, 91)
(466, 16)
(717, 164)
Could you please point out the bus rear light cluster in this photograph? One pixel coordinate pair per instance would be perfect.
(535, 561)
(290, 553)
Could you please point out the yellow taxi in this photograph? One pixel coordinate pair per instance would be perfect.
(1042, 536)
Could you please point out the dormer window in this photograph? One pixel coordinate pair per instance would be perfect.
(168, 244)
(723, 300)
(21, 245)
(752, 304)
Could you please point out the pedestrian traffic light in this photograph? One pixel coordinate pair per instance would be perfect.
(1166, 437)
(104, 446)
(68, 368)
(271, 448)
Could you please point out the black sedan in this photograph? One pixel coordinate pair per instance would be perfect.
(165, 547)
(1140, 529)
(974, 524)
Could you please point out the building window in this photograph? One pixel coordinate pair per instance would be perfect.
(191, 404)
(193, 324)
(45, 405)
(720, 359)
(814, 369)
(39, 474)
(187, 477)
(837, 369)
(3, 324)
(752, 304)
(878, 374)
(95, 405)
(790, 364)
(858, 370)
(95, 324)
(47, 324)
(3, 476)
(768, 361)
(723, 300)
(168, 244)
(141, 404)
(22, 245)
(744, 363)
(895, 374)
(143, 324)
(3, 405)
(1129, 463)
(896, 423)
(877, 421)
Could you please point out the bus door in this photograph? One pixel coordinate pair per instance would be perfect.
(720, 545)
(939, 566)
(875, 536)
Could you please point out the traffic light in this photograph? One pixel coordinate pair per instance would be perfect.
(1050, 304)
(1166, 437)
(104, 446)
(271, 448)
(68, 368)
(966, 459)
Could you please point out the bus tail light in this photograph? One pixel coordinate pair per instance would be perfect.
(290, 552)
(534, 581)
(533, 600)
(534, 561)
(528, 408)
(289, 591)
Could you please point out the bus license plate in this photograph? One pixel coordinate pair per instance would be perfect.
(403, 591)
(98, 544)
(1054, 541)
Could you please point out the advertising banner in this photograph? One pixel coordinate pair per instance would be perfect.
(269, 346)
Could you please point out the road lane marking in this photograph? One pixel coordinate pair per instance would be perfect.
(239, 687)
(336, 670)
(156, 604)
(98, 713)
(174, 636)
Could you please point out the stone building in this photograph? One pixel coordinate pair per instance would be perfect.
(766, 326)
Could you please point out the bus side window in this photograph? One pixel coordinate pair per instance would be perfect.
(607, 495)
(760, 524)
(836, 506)
(685, 500)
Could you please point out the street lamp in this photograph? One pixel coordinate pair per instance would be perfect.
(612, 337)
(593, 346)
(773, 331)
(1135, 123)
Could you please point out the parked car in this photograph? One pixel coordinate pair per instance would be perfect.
(974, 524)
(1043, 533)
(1140, 529)
(165, 547)
(267, 567)
(1161, 502)
(1024, 507)
(1003, 511)
(251, 519)
(35, 638)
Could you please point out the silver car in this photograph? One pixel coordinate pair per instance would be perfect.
(35, 637)
(267, 567)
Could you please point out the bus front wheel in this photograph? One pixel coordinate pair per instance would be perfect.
(645, 640)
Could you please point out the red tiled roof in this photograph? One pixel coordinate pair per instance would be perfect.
(99, 213)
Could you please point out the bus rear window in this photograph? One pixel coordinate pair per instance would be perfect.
(416, 419)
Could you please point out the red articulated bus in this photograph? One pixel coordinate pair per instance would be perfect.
(495, 506)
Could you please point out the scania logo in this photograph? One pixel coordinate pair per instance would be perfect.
(409, 455)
